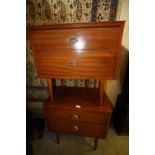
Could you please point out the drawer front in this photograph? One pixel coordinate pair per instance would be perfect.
(87, 67)
(78, 116)
(79, 51)
(83, 38)
(76, 128)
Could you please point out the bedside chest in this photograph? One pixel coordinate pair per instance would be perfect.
(77, 51)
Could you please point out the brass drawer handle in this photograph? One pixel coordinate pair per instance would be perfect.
(75, 128)
(75, 117)
(73, 63)
(73, 40)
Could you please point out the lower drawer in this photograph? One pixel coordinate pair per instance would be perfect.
(77, 128)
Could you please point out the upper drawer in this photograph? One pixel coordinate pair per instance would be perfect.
(79, 38)
(80, 116)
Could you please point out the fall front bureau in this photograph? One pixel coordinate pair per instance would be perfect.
(77, 51)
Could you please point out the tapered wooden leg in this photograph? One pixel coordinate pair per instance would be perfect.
(57, 138)
(50, 88)
(95, 143)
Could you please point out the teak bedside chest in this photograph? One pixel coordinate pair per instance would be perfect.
(77, 51)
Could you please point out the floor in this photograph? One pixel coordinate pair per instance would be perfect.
(76, 145)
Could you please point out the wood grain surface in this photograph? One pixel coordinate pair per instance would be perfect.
(86, 50)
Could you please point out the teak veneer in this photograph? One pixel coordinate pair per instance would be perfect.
(77, 51)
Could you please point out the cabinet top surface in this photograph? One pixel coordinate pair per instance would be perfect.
(76, 25)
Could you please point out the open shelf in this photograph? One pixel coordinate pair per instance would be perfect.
(77, 94)
(75, 97)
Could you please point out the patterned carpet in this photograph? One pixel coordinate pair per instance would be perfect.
(76, 145)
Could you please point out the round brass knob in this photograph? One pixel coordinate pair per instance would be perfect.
(75, 117)
(75, 128)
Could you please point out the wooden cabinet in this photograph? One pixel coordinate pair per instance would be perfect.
(77, 51)
(80, 112)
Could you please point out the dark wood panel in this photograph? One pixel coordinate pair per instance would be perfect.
(77, 128)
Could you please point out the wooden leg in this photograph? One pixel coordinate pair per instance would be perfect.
(50, 88)
(95, 143)
(57, 138)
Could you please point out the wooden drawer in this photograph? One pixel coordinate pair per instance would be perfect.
(78, 116)
(77, 51)
(77, 128)
(77, 67)
(77, 38)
